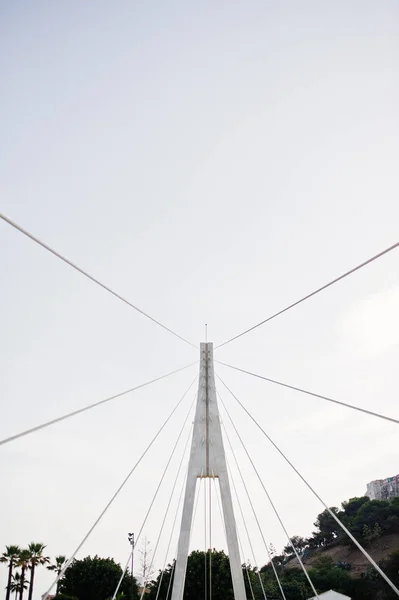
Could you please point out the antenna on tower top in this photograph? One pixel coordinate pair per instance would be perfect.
(206, 332)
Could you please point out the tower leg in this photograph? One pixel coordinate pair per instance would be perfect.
(184, 539)
(231, 535)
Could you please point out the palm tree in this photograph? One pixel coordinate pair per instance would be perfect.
(59, 564)
(36, 558)
(23, 562)
(10, 556)
(18, 584)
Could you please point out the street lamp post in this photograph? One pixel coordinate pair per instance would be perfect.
(130, 537)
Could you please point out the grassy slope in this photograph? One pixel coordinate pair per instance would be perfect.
(378, 550)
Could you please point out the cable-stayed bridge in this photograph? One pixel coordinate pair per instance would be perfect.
(208, 429)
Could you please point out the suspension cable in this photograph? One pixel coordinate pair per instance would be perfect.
(171, 534)
(191, 530)
(80, 410)
(122, 485)
(245, 566)
(238, 537)
(220, 507)
(303, 391)
(166, 513)
(240, 544)
(271, 501)
(155, 496)
(196, 503)
(253, 510)
(332, 514)
(324, 287)
(170, 579)
(93, 279)
(242, 515)
(165, 470)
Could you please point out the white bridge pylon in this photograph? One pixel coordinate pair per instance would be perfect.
(207, 459)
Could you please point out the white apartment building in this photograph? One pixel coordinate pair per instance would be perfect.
(383, 489)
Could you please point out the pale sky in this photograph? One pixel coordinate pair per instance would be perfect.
(212, 162)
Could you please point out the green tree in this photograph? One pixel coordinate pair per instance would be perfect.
(390, 566)
(331, 578)
(299, 544)
(194, 589)
(96, 579)
(295, 590)
(18, 585)
(375, 511)
(24, 563)
(278, 562)
(294, 584)
(323, 563)
(222, 587)
(164, 582)
(255, 583)
(36, 558)
(327, 526)
(57, 566)
(369, 534)
(352, 506)
(10, 557)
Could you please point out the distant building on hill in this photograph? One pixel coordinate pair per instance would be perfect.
(383, 489)
(331, 595)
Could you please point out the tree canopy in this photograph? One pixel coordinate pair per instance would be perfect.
(96, 579)
(194, 589)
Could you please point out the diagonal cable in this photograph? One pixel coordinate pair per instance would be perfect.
(80, 410)
(191, 531)
(244, 521)
(324, 287)
(269, 498)
(154, 498)
(96, 522)
(251, 504)
(246, 567)
(156, 546)
(171, 535)
(219, 505)
(303, 391)
(238, 538)
(243, 518)
(93, 279)
(332, 514)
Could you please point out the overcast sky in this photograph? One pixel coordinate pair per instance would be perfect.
(212, 162)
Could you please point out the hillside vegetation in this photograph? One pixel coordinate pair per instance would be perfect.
(350, 557)
(331, 559)
(375, 524)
